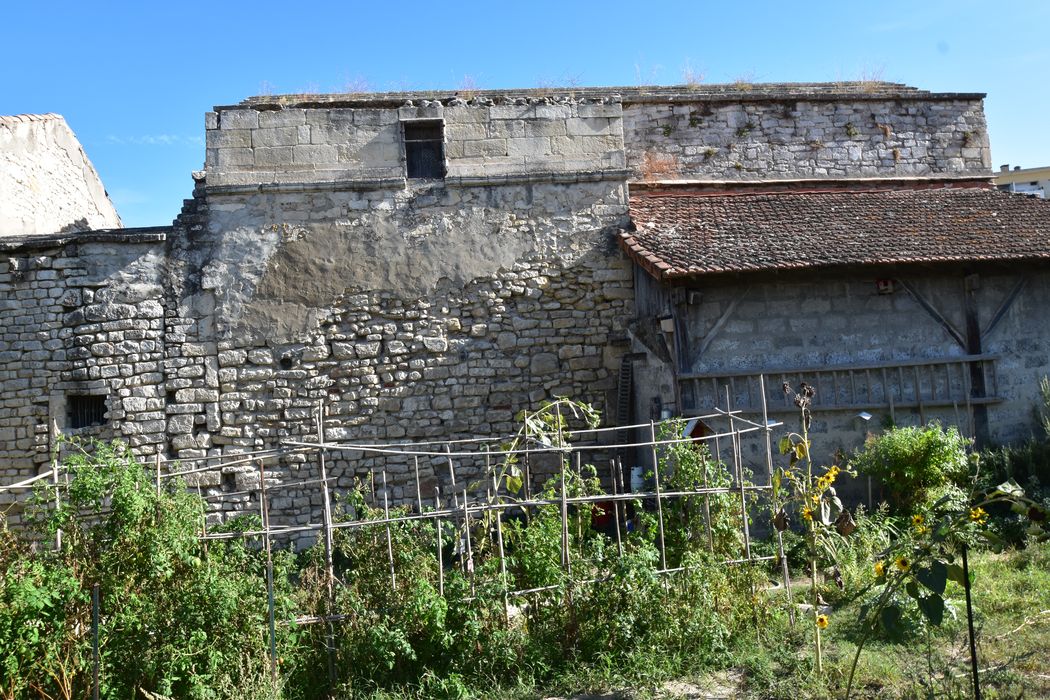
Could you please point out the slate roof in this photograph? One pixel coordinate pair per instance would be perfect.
(696, 233)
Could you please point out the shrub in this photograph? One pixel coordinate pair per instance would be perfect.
(916, 465)
(172, 620)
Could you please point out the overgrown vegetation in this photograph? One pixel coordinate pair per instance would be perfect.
(181, 619)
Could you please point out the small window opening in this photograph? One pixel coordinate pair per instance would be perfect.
(425, 149)
(86, 411)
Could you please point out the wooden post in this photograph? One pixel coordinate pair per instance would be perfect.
(978, 390)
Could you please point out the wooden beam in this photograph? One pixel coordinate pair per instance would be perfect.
(936, 315)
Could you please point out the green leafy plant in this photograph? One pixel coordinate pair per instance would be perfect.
(915, 464)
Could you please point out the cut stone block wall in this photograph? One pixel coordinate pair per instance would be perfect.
(247, 146)
(838, 320)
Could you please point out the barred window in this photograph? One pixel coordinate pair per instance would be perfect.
(86, 411)
(425, 149)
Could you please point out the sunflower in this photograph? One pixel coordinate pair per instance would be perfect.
(903, 563)
(880, 569)
(807, 513)
(822, 621)
(978, 515)
(917, 520)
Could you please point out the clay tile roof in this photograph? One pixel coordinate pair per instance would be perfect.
(683, 235)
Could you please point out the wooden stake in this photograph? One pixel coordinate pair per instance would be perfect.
(328, 548)
(468, 563)
(566, 564)
(451, 476)
(389, 541)
(440, 544)
(659, 500)
(502, 567)
(616, 507)
(769, 471)
(419, 493)
(265, 512)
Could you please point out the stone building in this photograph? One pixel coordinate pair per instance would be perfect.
(424, 265)
(47, 183)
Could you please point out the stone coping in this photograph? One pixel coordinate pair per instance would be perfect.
(561, 178)
(147, 234)
(731, 92)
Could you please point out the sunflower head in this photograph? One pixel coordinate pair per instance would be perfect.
(903, 563)
(880, 569)
(917, 520)
(822, 621)
(978, 515)
(807, 513)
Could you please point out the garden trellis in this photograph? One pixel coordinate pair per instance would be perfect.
(467, 495)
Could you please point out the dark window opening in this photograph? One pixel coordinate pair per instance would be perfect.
(86, 411)
(425, 149)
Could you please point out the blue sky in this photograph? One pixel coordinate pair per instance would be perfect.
(134, 79)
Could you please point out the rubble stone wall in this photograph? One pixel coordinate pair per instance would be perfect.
(797, 138)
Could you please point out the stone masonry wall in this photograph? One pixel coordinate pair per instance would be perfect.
(427, 313)
(798, 138)
(78, 318)
(260, 144)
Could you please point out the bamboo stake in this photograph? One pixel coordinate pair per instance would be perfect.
(204, 521)
(328, 547)
(659, 499)
(419, 493)
(58, 502)
(579, 513)
(616, 508)
(502, 568)
(566, 564)
(738, 470)
(528, 469)
(451, 476)
(468, 563)
(389, 541)
(265, 512)
(440, 544)
(95, 657)
(769, 470)
(623, 492)
(707, 507)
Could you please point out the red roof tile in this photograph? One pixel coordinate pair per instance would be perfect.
(681, 235)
